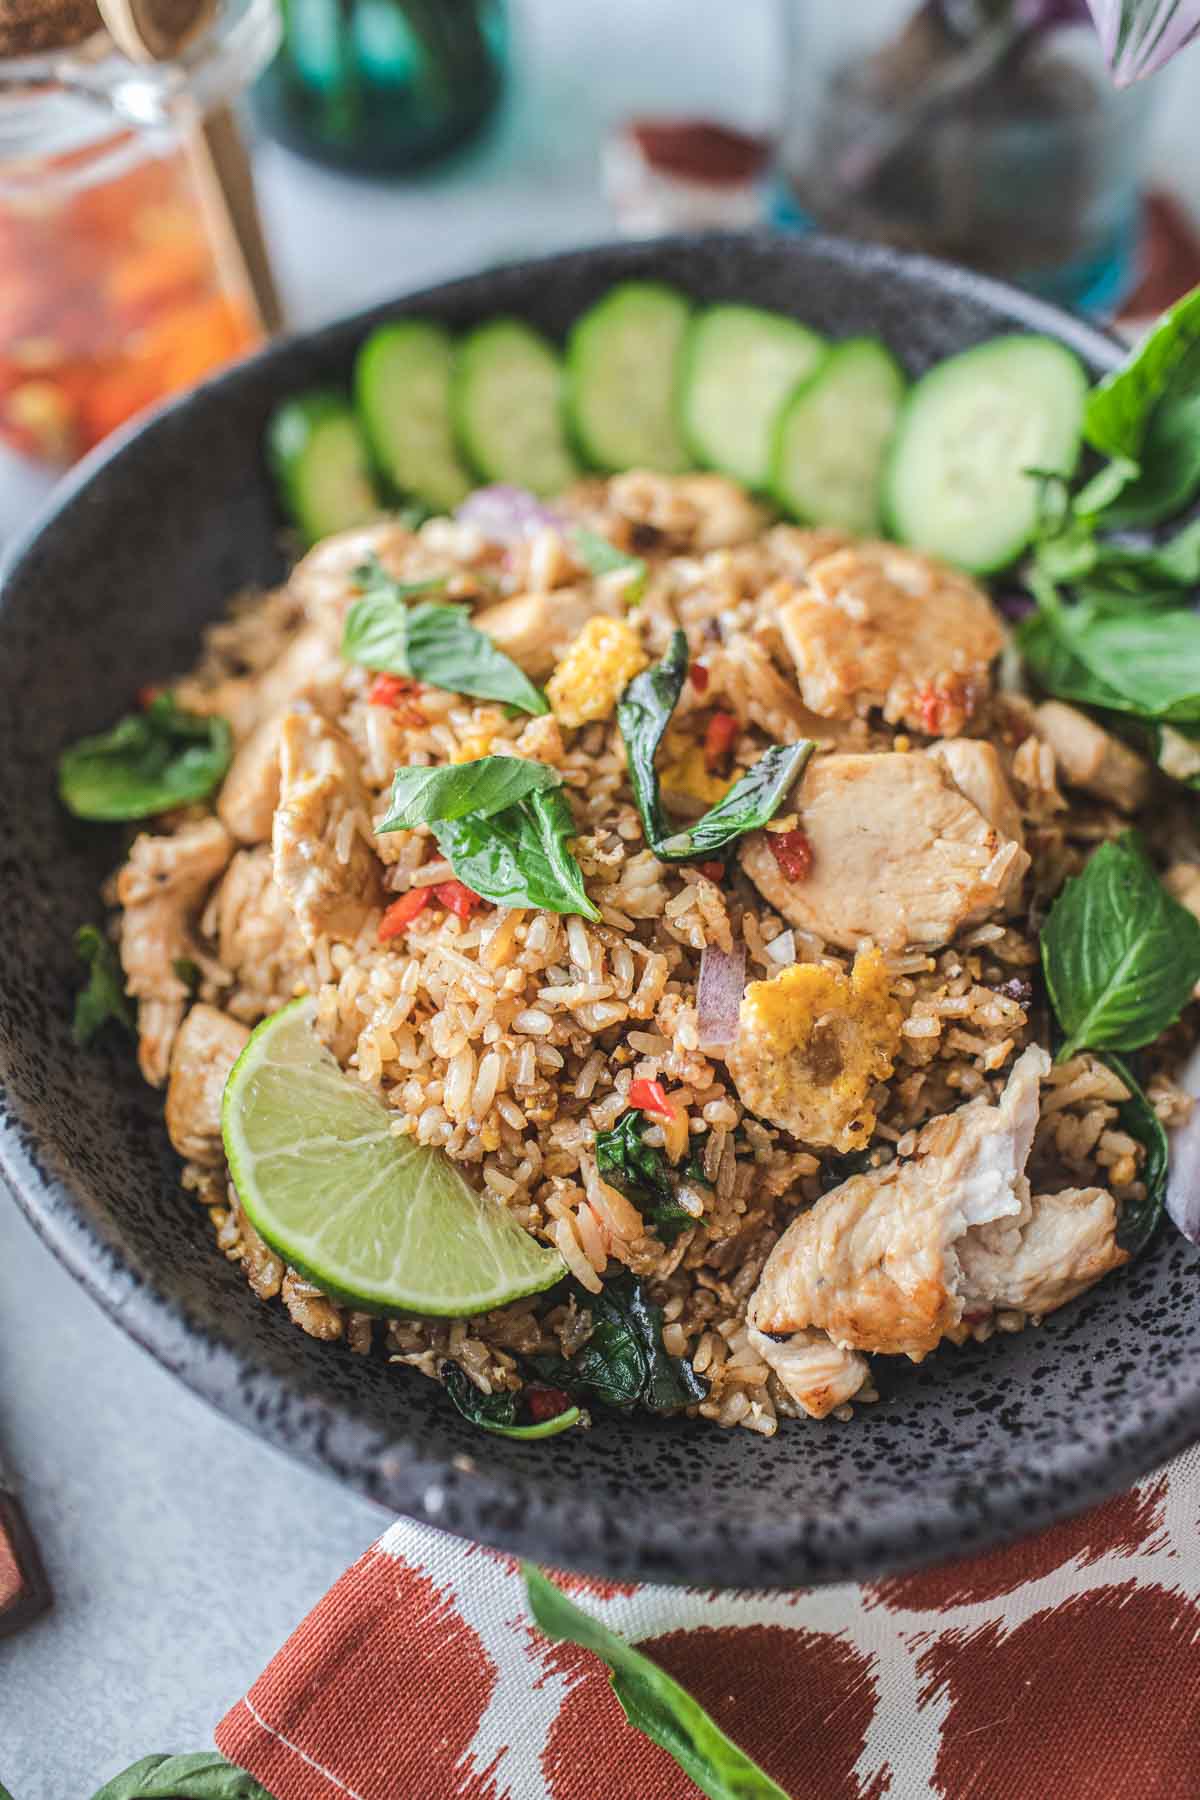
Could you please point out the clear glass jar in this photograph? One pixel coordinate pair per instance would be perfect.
(951, 127)
(111, 291)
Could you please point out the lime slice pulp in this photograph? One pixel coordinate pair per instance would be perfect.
(371, 1218)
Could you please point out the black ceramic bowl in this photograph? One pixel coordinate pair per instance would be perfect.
(140, 550)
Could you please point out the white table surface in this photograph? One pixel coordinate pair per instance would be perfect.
(182, 1551)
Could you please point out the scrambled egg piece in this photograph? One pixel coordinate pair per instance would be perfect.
(685, 774)
(810, 1042)
(600, 663)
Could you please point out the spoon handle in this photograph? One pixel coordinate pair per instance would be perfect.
(220, 169)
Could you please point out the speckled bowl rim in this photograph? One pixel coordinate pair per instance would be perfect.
(502, 1510)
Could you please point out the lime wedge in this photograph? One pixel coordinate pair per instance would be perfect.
(374, 1219)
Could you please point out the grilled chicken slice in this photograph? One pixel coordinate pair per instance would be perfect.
(309, 671)
(206, 1047)
(258, 941)
(161, 889)
(1091, 758)
(323, 860)
(750, 679)
(878, 626)
(537, 630)
(816, 1372)
(900, 855)
(892, 1261)
(324, 579)
(977, 772)
(703, 512)
(250, 792)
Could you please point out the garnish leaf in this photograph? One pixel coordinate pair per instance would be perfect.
(1139, 1220)
(486, 786)
(602, 558)
(1169, 472)
(520, 856)
(498, 1413)
(624, 1362)
(203, 1775)
(1117, 412)
(642, 1173)
(652, 1700)
(1141, 661)
(432, 643)
(750, 802)
(148, 763)
(104, 996)
(1121, 956)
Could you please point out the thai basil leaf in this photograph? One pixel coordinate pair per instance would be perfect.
(498, 1413)
(1169, 472)
(1059, 671)
(1139, 1219)
(652, 1700)
(1166, 362)
(203, 1775)
(624, 1362)
(602, 558)
(748, 805)
(643, 714)
(521, 855)
(1132, 660)
(480, 788)
(1120, 955)
(148, 763)
(436, 644)
(104, 996)
(642, 1173)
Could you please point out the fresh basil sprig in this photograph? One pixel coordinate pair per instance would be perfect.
(652, 1700)
(203, 1775)
(104, 996)
(432, 643)
(148, 763)
(624, 1362)
(602, 558)
(1139, 1219)
(643, 714)
(1128, 659)
(498, 1413)
(1165, 363)
(641, 1172)
(1121, 955)
(505, 826)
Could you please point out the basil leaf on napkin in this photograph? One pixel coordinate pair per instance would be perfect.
(104, 996)
(203, 1775)
(642, 1173)
(1139, 1219)
(498, 1413)
(602, 558)
(652, 1700)
(148, 763)
(520, 856)
(1120, 955)
(624, 1362)
(483, 787)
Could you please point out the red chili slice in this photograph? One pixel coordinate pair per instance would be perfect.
(546, 1403)
(401, 913)
(719, 734)
(793, 852)
(699, 677)
(457, 898)
(651, 1097)
(386, 690)
(714, 870)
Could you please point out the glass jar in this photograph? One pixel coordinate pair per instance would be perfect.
(959, 128)
(111, 290)
(383, 86)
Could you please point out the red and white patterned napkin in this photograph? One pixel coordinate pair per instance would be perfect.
(1066, 1667)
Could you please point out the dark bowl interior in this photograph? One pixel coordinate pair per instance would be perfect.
(140, 551)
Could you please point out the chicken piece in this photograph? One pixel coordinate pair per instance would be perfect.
(976, 771)
(324, 579)
(263, 1269)
(323, 860)
(878, 626)
(816, 1373)
(308, 670)
(309, 1308)
(258, 940)
(899, 855)
(700, 512)
(206, 1047)
(537, 629)
(810, 1043)
(891, 1260)
(595, 671)
(161, 888)
(745, 673)
(1091, 758)
(1182, 880)
(1178, 756)
(1060, 1245)
(250, 792)
(798, 547)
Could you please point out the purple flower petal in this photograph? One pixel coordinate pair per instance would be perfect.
(504, 514)
(1139, 36)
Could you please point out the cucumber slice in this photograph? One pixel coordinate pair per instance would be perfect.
(741, 363)
(319, 459)
(623, 367)
(402, 380)
(832, 436)
(957, 481)
(507, 402)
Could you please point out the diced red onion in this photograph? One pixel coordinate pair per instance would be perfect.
(505, 514)
(1139, 36)
(1183, 1176)
(719, 995)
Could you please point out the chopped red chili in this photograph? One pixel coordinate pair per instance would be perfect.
(146, 696)
(719, 734)
(401, 913)
(699, 677)
(457, 898)
(793, 852)
(651, 1097)
(714, 870)
(386, 690)
(930, 704)
(546, 1403)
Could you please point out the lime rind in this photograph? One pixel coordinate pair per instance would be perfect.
(372, 1218)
